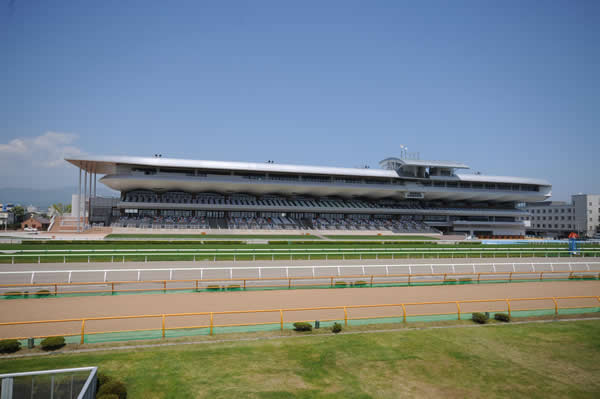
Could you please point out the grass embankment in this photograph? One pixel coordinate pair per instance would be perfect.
(553, 360)
(215, 236)
(380, 238)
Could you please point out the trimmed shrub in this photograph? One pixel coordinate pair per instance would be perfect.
(52, 343)
(103, 379)
(588, 277)
(9, 346)
(360, 283)
(213, 288)
(302, 326)
(42, 293)
(450, 281)
(337, 327)
(465, 279)
(502, 317)
(234, 287)
(13, 294)
(340, 284)
(114, 387)
(479, 318)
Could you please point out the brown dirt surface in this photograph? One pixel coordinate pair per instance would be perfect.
(158, 304)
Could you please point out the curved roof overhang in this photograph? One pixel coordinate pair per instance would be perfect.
(107, 165)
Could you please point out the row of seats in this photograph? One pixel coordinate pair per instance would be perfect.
(403, 225)
(186, 198)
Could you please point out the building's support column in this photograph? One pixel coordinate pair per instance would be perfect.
(90, 199)
(85, 184)
(79, 204)
(95, 180)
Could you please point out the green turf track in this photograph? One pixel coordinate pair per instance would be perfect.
(217, 236)
(380, 238)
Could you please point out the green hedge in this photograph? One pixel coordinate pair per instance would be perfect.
(479, 318)
(502, 317)
(103, 379)
(336, 328)
(9, 346)
(42, 293)
(302, 326)
(52, 343)
(113, 387)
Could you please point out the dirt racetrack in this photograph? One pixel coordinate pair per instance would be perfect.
(158, 304)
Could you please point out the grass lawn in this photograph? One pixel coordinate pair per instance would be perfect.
(553, 360)
(217, 236)
(380, 238)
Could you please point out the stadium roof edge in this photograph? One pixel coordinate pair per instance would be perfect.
(108, 165)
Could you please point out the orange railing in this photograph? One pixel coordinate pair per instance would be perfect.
(324, 313)
(299, 281)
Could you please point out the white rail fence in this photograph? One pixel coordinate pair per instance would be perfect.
(277, 272)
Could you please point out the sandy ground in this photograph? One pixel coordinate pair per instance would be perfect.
(83, 307)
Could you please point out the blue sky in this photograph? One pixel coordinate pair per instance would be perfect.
(510, 88)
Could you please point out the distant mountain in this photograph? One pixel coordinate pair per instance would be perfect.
(43, 198)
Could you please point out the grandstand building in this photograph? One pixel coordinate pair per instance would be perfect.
(402, 196)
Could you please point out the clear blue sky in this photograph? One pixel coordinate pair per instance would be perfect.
(510, 88)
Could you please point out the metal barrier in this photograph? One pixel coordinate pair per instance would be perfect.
(399, 311)
(239, 273)
(72, 383)
(330, 281)
(146, 255)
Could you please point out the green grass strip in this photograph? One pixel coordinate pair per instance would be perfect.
(549, 360)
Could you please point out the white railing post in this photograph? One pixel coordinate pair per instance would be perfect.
(170, 274)
(105, 272)
(139, 275)
(70, 276)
